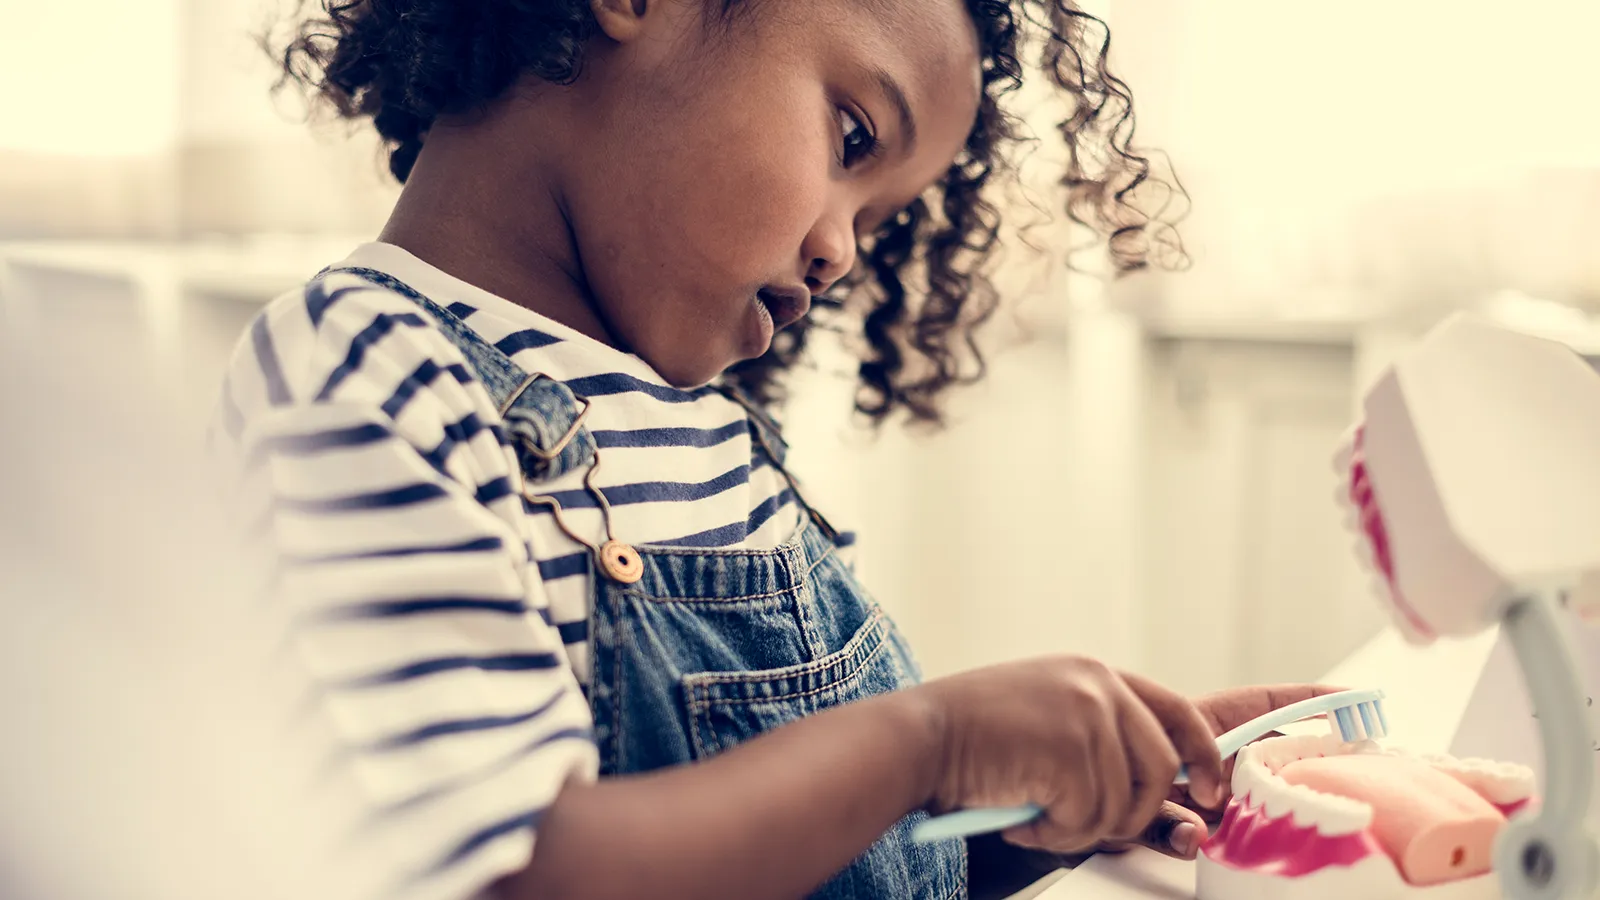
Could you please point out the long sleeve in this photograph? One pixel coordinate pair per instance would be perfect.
(363, 466)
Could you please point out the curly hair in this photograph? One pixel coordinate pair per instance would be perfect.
(921, 282)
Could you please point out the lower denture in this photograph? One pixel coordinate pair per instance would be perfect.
(1426, 821)
(1249, 839)
(1434, 827)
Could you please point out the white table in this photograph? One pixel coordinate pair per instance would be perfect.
(1427, 692)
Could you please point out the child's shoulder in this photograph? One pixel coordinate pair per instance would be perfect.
(340, 308)
(339, 338)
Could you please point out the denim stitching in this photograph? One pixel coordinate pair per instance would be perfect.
(805, 612)
(700, 703)
(872, 628)
(621, 689)
(961, 881)
(696, 712)
(848, 681)
(699, 707)
(635, 592)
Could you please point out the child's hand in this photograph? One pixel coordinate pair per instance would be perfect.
(1179, 827)
(1096, 748)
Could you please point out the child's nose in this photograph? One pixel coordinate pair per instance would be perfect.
(830, 253)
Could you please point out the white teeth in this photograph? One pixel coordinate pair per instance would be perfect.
(1334, 815)
(1379, 586)
(1246, 779)
(1362, 548)
(1255, 778)
(1280, 797)
(1362, 545)
(1256, 782)
(1498, 782)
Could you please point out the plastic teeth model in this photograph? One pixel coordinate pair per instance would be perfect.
(1475, 476)
(1472, 485)
(1313, 818)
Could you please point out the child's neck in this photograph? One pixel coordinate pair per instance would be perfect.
(486, 215)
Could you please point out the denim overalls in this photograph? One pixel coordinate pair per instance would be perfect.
(697, 650)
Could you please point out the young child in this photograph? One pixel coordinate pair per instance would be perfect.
(582, 630)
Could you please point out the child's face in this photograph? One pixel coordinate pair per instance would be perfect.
(728, 162)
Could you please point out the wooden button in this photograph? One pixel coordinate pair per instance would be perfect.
(621, 562)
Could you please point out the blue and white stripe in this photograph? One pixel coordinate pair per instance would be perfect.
(444, 615)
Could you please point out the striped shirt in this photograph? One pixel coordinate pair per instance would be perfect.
(448, 621)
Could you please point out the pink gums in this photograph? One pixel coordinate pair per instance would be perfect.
(1510, 809)
(1248, 839)
(1366, 501)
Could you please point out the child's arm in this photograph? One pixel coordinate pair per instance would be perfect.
(771, 818)
(776, 816)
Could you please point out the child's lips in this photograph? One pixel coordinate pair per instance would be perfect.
(787, 305)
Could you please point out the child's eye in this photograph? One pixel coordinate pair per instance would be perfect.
(859, 142)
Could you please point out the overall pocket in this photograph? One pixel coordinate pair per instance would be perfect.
(726, 708)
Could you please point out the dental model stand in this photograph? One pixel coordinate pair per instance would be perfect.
(1473, 484)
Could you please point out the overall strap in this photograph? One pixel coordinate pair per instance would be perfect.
(538, 411)
(770, 439)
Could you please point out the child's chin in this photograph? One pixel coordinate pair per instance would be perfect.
(688, 375)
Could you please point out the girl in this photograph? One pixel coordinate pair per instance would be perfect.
(580, 626)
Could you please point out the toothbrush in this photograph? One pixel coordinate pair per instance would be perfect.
(1354, 715)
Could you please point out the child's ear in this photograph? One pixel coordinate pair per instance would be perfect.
(621, 20)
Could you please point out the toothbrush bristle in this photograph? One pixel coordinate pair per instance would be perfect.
(1346, 724)
(1379, 728)
(1361, 722)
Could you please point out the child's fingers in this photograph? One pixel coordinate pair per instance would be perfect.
(1191, 736)
(1231, 708)
(1152, 762)
(1174, 831)
(1112, 772)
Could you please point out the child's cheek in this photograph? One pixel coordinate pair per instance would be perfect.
(765, 206)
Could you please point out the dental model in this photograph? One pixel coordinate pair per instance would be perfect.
(1473, 487)
(1313, 818)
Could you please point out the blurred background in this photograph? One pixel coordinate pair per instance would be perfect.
(1146, 474)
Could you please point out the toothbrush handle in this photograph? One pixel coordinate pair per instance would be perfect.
(974, 820)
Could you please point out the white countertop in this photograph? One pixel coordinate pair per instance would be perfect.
(1427, 691)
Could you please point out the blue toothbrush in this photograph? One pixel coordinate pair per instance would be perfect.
(1356, 715)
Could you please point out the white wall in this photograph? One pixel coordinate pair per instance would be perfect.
(152, 120)
(1250, 572)
(94, 79)
(251, 162)
(1014, 531)
(90, 117)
